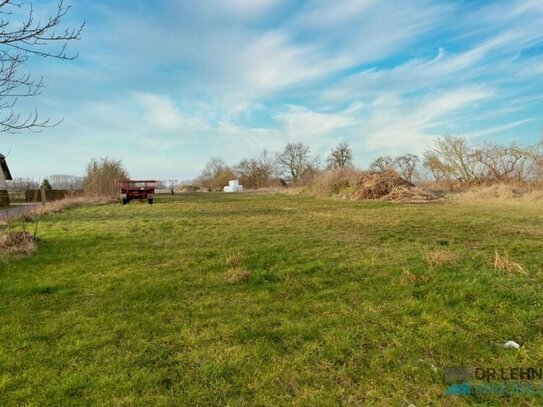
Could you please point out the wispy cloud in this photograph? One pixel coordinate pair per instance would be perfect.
(183, 80)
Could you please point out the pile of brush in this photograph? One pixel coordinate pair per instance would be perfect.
(361, 185)
(378, 185)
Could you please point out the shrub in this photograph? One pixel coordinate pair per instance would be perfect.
(101, 175)
(215, 175)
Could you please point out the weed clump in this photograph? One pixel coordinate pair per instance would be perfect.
(235, 273)
(439, 258)
(17, 244)
(408, 277)
(502, 262)
(234, 259)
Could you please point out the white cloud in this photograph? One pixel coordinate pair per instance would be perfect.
(162, 114)
(300, 122)
(191, 74)
(397, 125)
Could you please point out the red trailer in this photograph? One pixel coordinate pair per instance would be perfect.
(137, 189)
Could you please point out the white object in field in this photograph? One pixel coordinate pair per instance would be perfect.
(233, 186)
(511, 344)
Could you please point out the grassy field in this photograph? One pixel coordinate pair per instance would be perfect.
(215, 299)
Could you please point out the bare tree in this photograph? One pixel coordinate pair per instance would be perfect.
(248, 171)
(382, 163)
(215, 174)
(213, 167)
(452, 158)
(295, 161)
(256, 172)
(267, 165)
(407, 166)
(20, 39)
(501, 162)
(340, 157)
(532, 165)
(439, 170)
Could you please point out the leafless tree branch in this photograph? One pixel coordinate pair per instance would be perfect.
(19, 40)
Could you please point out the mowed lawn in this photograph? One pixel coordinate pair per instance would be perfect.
(132, 305)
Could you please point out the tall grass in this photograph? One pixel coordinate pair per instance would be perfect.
(524, 192)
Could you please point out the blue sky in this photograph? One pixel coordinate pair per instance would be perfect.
(167, 84)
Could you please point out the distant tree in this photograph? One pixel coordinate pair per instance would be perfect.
(340, 157)
(213, 167)
(215, 175)
(267, 165)
(101, 175)
(407, 165)
(172, 183)
(46, 184)
(23, 35)
(295, 162)
(382, 163)
(451, 158)
(62, 181)
(248, 171)
(532, 165)
(256, 172)
(502, 163)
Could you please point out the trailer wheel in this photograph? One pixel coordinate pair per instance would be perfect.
(150, 201)
(125, 201)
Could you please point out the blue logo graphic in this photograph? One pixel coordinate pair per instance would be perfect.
(458, 389)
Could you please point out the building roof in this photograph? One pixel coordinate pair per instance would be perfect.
(5, 169)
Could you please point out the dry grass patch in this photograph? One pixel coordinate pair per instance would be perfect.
(59, 206)
(439, 258)
(32, 212)
(404, 193)
(502, 262)
(500, 193)
(17, 244)
(234, 259)
(235, 275)
(408, 277)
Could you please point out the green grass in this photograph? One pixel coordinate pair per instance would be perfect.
(130, 305)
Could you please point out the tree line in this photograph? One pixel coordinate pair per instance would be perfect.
(449, 159)
(293, 165)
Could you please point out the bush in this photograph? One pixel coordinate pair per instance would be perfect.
(215, 175)
(101, 175)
